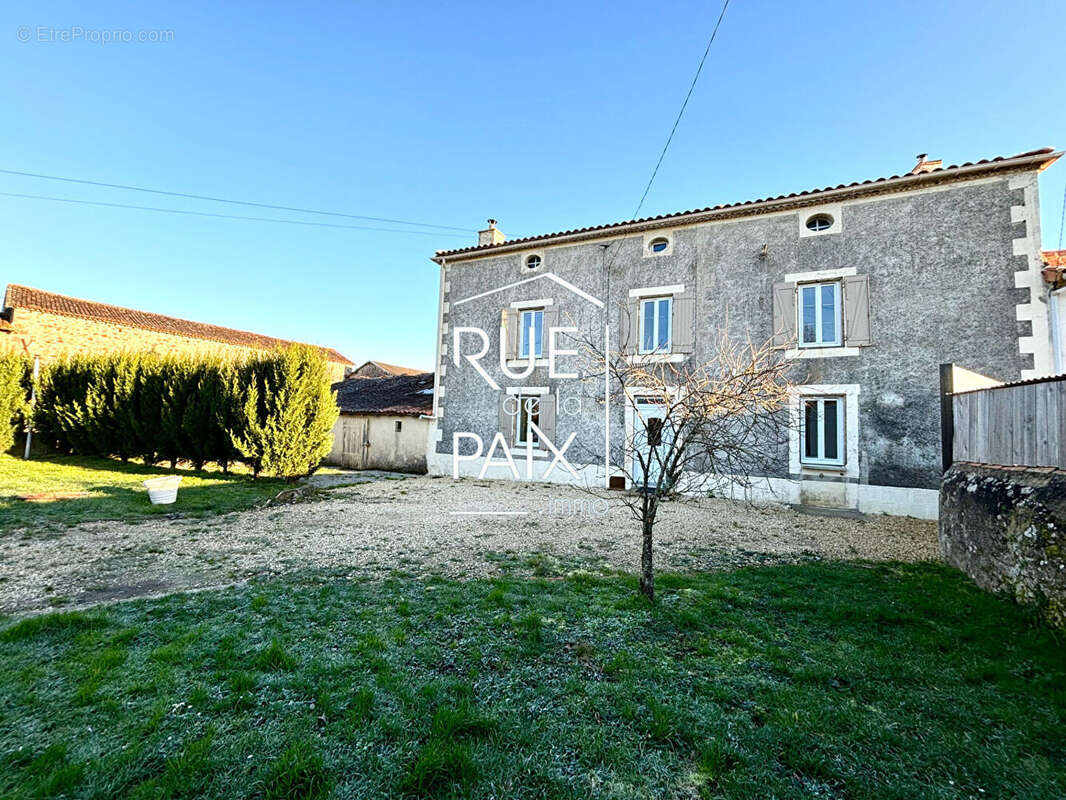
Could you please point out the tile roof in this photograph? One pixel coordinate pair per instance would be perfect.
(52, 303)
(392, 369)
(1055, 258)
(1055, 270)
(402, 395)
(1039, 159)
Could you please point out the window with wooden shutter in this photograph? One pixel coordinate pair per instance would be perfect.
(531, 338)
(857, 311)
(527, 414)
(784, 314)
(819, 314)
(656, 321)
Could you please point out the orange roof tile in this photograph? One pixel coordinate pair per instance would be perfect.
(52, 303)
(1055, 258)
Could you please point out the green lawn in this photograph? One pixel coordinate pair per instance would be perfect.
(115, 491)
(817, 680)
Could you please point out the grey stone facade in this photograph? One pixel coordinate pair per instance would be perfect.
(940, 255)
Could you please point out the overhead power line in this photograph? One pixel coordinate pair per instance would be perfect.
(670, 138)
(680, 113)
(213, 199)
(225, 216)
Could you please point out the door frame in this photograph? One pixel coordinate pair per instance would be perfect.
(635, 396)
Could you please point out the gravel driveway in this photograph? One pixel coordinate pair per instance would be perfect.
(426, 525)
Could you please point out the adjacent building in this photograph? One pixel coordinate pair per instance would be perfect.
(869, 287)
(384, 423)
(1055, 276)
(379, 369)
(51, 325)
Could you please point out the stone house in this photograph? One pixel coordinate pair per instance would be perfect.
(384, 423)
(869, 287)
(50, 325)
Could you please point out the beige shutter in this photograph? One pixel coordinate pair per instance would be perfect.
(784, 314)
(507, 419)
(857, 311)
(510, 325)
(547, 420)
(551, 319)
(683, 323)
(631, 324)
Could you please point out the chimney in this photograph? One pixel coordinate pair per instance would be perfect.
(491, 235)
(925, 166)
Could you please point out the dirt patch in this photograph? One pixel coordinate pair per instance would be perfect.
(426, 525)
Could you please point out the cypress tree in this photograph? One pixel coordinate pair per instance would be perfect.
(287, 414)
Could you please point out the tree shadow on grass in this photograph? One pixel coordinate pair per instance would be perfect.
(132, 467)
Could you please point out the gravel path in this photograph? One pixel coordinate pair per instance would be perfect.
(426, 525)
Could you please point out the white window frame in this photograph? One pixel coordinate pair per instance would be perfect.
(820, 460)
(524, 349)
(656, 319)
(521, 410)
(838, 300)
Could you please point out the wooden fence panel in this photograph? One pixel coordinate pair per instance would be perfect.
(1021, 425)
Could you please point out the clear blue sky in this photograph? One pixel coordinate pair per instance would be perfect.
(545, 116)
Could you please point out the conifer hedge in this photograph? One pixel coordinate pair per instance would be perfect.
(273, 412)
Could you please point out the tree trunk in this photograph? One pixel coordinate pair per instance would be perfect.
(647, 576)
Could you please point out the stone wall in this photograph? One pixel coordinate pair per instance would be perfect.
(51, 336)
(1005, 527)
(365, 441)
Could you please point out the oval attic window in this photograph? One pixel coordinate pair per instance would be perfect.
(532, 262)
(659, 244)
(819, 222)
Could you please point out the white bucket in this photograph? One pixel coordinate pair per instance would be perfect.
(163, 491)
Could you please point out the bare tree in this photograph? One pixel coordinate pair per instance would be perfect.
(698, 427)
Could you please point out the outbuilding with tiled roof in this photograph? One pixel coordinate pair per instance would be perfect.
(383, 422)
